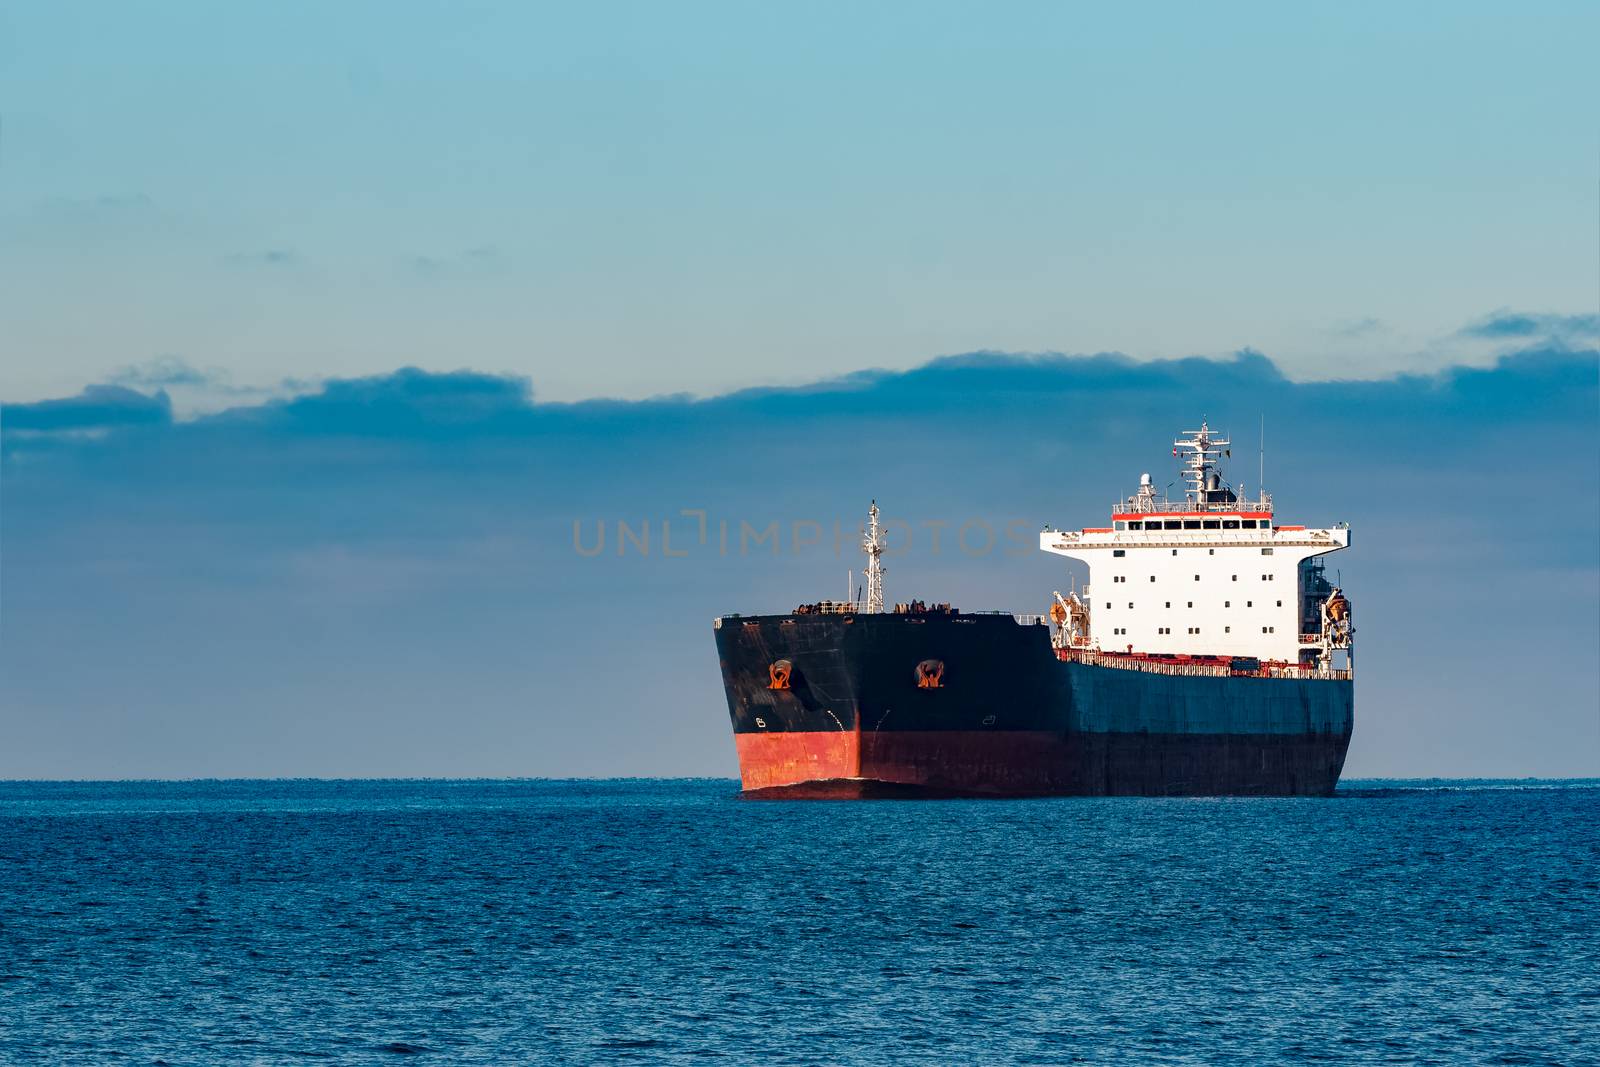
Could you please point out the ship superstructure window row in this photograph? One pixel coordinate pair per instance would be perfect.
(1162, 525)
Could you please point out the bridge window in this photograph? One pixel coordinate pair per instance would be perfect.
(1248, 524)
(1173, 524)
(1136, 525)
(1213, 524)
(1119, 524)
(1191, 524)
(1230, 524)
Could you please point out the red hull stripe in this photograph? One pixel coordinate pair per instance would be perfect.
(1000, 761)
(774, 759)
(1035, 763)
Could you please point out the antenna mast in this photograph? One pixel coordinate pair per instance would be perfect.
(872, 545)
(1201, 450)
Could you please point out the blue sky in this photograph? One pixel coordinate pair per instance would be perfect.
(323, 325)
(628, 199)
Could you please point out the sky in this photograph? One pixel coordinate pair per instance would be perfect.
(624, 200)
(332, 335)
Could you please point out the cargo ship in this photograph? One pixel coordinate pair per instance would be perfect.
(1208, 654)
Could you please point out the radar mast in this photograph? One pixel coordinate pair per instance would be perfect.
(1201, 450)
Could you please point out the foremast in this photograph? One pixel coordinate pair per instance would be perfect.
(872, 543)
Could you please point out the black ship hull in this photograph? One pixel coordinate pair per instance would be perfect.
(857, 705)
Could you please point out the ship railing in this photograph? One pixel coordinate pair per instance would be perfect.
(1095, 659)
(1211, 670)
(1338, 674)
(1022, 620)
(1188, 507)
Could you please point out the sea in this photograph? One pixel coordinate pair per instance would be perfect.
(643, 921)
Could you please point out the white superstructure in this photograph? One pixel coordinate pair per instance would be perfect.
(1208, 575)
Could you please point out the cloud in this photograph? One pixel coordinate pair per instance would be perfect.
(1505, 325)
(164, 371)
(267, 257)
(97, 207)
(479, 261)
(98, 407)
(1356, 329)
(408, 401)
(99, 222)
